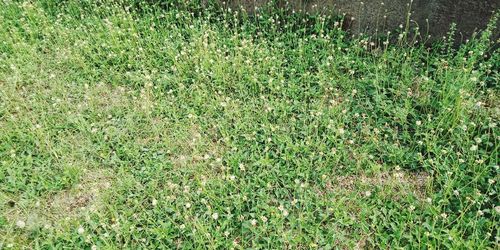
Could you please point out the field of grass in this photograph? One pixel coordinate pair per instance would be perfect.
(130, 125)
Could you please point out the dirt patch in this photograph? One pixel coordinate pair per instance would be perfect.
(84, 197)
(397, 183)
(197, 146)
(53, 210)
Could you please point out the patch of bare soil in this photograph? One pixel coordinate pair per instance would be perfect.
(399, 183)
(54, 210)
(386, 185)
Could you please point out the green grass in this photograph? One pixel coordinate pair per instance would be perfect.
(149, 127)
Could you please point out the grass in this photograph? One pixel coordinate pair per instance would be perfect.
(128, 125)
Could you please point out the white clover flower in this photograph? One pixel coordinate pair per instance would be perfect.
(215, 216)
(285, 213)
(20, 224)
(81, 230)
(264, 219)
(473, 148)
(154, 202)
(253, 222)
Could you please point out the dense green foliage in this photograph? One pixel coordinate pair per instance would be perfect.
(126, 124)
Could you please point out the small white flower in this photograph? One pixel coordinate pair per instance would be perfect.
(264, 219)
(444, 215)
(285, 213)
(429, 200)
(418, 123)
(368, 193)
(20, 224)
(154, 202)
(215, 216)
(81, 230)
(473, 148)
(188, 205)
(341, 131)
(182, 226)
(253, 222)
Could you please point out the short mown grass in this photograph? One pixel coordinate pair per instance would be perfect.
(125, 124)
